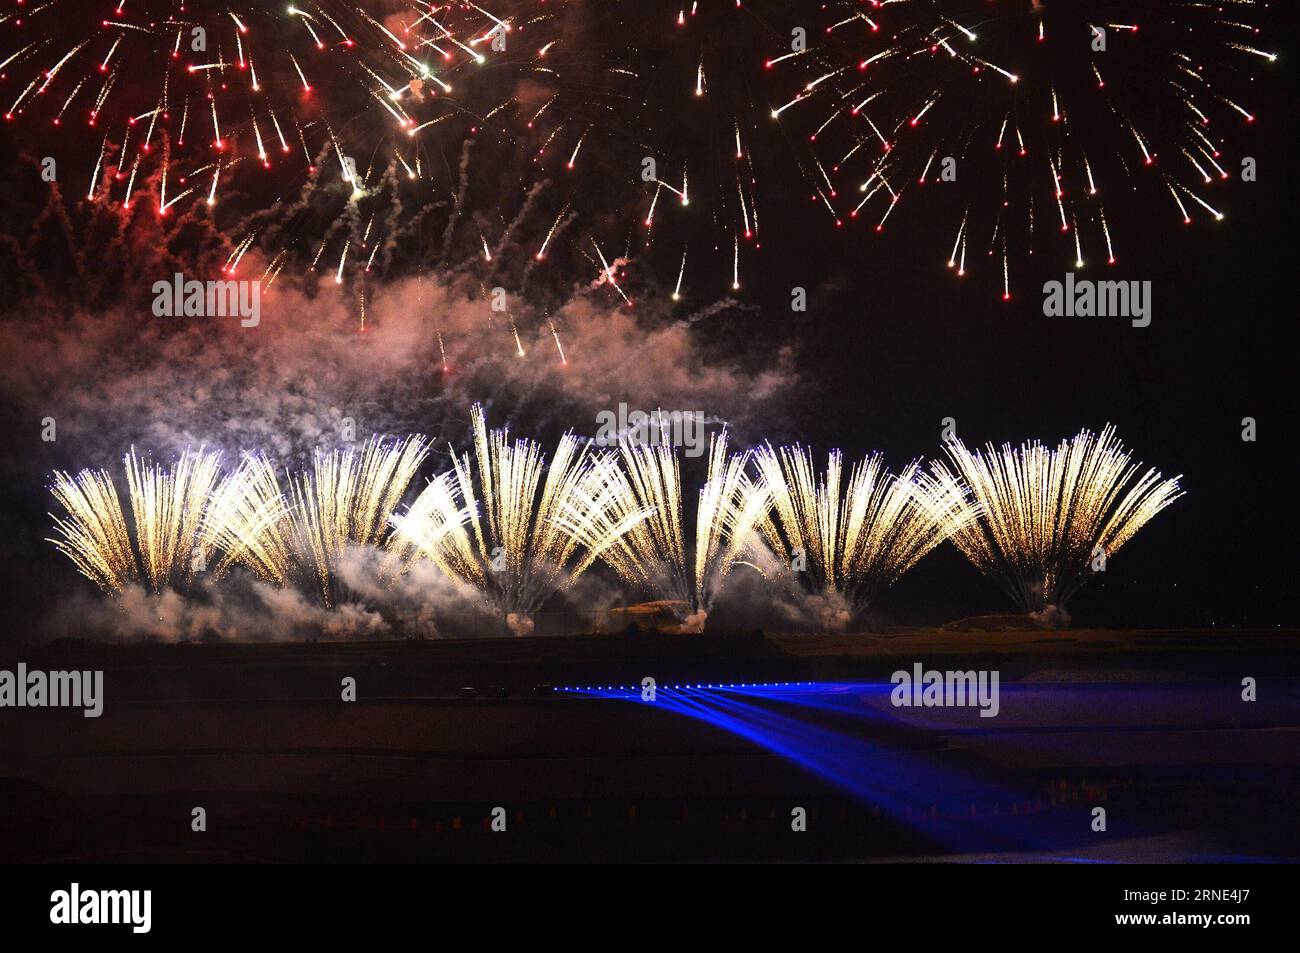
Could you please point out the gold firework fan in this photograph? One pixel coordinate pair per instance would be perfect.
(345, 500)
(168, 508)
(248, 521)
(1046, 516)
(655, 555)
(850, 542)
(526, 530)
(94, 534)
(300, 537)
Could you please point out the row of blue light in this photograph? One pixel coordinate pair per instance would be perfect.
(714, 686)
(889, 778)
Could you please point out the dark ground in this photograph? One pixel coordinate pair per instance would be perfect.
(1149, 724)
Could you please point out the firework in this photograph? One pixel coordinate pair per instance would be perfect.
(264, 100)
(299, 537)
(248, 522)
(529, 530)
(1049, 518)
(432, 528)
(345, 500)
(656, 556)
(514, 529)
(849, 543)
(168, 507)
(1024, 118)
(94, 534)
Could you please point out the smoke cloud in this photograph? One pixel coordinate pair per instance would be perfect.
(308, 376)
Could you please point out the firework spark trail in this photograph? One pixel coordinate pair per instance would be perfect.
(343, 78)
(168, 506)
(346, 499)
(655, 555)
(856, 539)
(1169, 90)
(300, 537)
(432, 527)
(528, 531)
(248, 521)
(1045, 515)
(94, 534)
